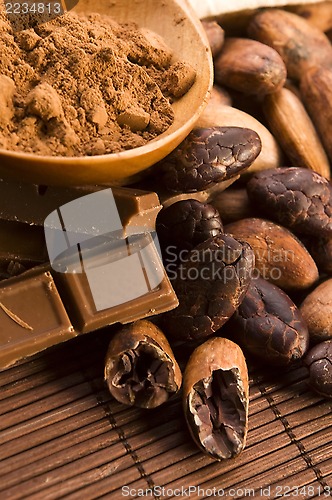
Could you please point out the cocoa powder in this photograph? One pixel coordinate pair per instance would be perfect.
(85, 85)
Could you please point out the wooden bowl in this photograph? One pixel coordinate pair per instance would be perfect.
(177, 23)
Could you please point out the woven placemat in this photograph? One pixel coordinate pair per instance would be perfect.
(63, 436)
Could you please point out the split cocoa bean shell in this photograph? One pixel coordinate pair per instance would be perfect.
(280, 257)
(296, 197)
(140, 368)
(316, 310)
(319, 363)
(250, 67)
(208, 156)
(210, 284)
(268, 325)
(216, 397)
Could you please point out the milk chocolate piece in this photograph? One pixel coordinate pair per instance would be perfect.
(31, 204)
(121, 281)
(108, 272)
(32, 316)
(103, 258)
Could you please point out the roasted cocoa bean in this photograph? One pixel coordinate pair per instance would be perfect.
(268, 325)
(295, 197)
(187, 223)
(301, 45)
(321, 251)
(233, 204)
(318, 14)
(250, 67)
(280, 257)
(215, 398)
(207, 156)
(319, 363)
(217, 115)
(316, 309)
(215, 35)
(210, 285)
(291, 125)
(316, 91)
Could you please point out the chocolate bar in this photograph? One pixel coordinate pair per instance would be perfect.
(31, 204)
(120, 282)
(105, 265)
(32, 316)
(108, 272)
(42, 307)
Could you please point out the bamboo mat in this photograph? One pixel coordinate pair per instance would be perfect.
(63, 436)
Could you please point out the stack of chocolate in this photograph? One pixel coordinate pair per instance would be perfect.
(43, 302)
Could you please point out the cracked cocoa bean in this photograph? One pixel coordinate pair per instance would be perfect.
(319, 363)
(140, 368)
(268, 325)
(210, 285)
(295, 197)
(215, 398)
(187, 223)
(207, 156)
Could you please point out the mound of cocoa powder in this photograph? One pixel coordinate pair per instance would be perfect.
(85, 85)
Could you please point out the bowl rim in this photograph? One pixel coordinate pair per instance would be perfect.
(134, 152)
